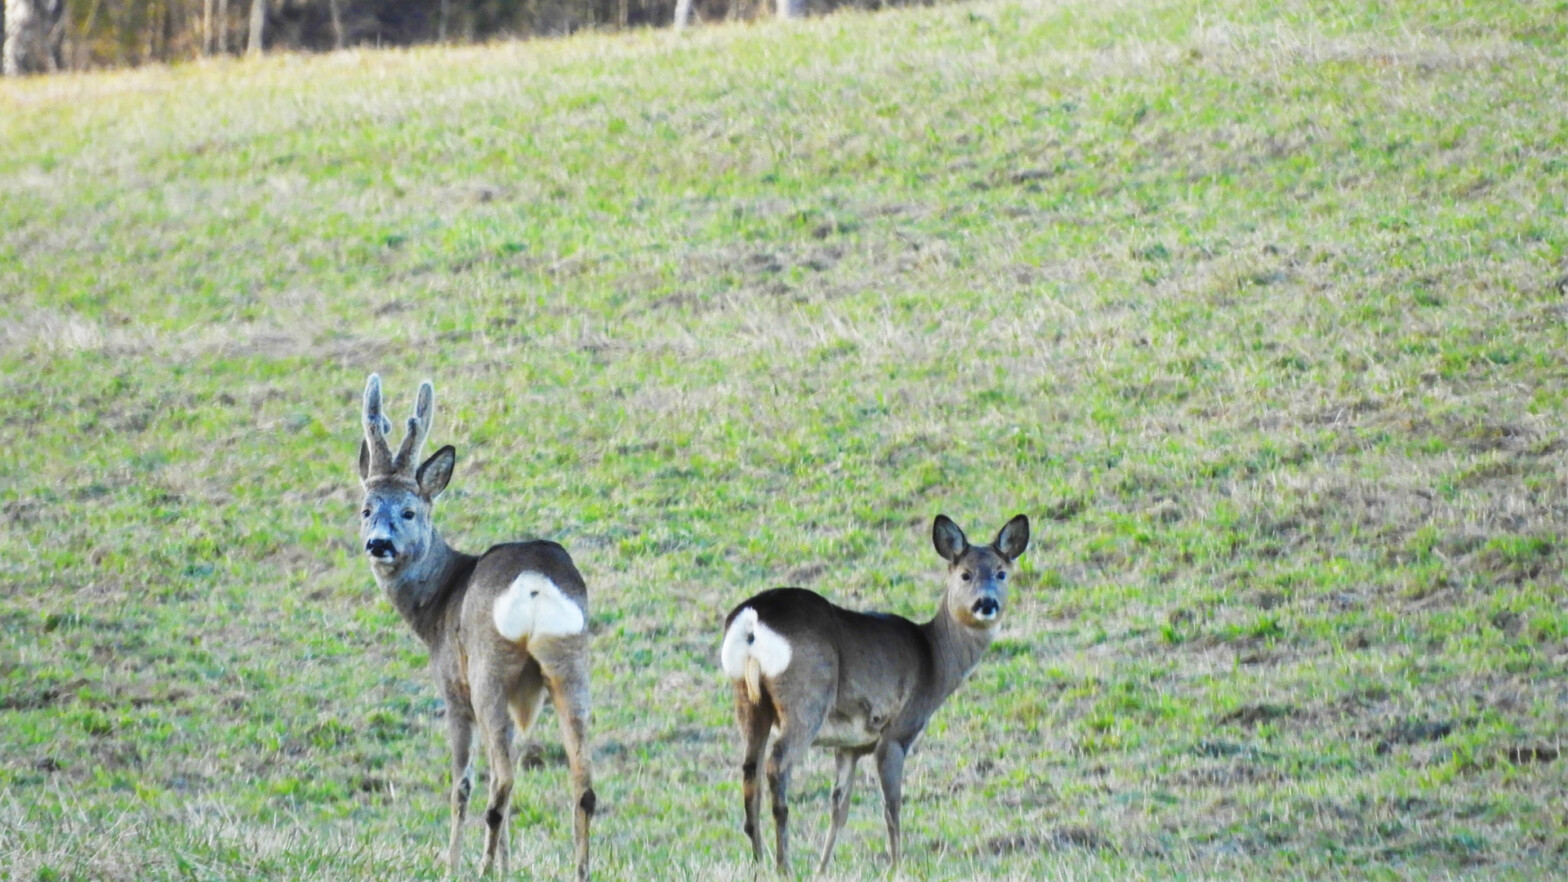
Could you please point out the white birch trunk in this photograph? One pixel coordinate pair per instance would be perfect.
(22, 32)
(32, 34)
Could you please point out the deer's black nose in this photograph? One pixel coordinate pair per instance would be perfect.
(380, 548)
(986, 607)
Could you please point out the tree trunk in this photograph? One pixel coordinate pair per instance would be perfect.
(81, 47)
(791, 8)
(24, 37)
(158, 32)
(682, 13)
(223, 27)
(5, 39)
(337, 23)
(33, 31)
(206, 27)
(258, 26)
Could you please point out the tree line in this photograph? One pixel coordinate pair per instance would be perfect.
(52, 35)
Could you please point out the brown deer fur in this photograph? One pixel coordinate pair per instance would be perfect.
(860, 683)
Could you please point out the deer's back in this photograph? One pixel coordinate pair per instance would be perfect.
(499, 566)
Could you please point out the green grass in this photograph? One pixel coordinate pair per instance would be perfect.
(1256, 309)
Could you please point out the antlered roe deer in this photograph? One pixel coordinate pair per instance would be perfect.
(504, 628)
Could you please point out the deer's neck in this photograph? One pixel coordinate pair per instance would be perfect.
(424, 591)
(956, 650)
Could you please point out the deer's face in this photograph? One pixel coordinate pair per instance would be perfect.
(394, 520)
(977, 587)
(977, 575)
(395, 527)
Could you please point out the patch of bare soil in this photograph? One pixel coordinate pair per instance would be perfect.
(755, 273)
(534, 755)
(1533, 754)
(1065, 838)
(1252, 715)
(1226, 775)
(1409, 732)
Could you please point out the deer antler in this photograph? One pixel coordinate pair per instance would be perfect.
(418, 429)
(376, 428)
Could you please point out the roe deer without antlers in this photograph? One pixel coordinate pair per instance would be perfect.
(860, 683)
(503, 628)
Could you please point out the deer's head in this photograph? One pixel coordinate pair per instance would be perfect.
(395, 519)
(977, 575)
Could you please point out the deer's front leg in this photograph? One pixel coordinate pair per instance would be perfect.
(843, 789)
(460, 735)
(890, 769)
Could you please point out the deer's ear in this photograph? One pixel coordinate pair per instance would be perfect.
(948, 539)
(364, 459)
(436, 471)
(1013, 538)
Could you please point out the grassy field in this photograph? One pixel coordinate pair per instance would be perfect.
(1258, 310)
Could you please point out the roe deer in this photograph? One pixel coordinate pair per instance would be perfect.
(503, 628)
(860, 683)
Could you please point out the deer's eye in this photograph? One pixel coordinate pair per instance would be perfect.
(365, 513)
(408, 514)
(966, 576)
(1001, 577)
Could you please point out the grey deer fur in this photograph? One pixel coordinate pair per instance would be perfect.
(856, 682)
(450, 600)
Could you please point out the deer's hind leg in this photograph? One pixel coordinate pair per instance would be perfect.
(797, 729)
(506, 698)
(756, 724)
(568, 683)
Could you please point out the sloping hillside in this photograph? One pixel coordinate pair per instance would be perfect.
(1257, 310)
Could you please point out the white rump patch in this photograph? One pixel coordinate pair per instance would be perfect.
(532, 606)
(749, 638)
